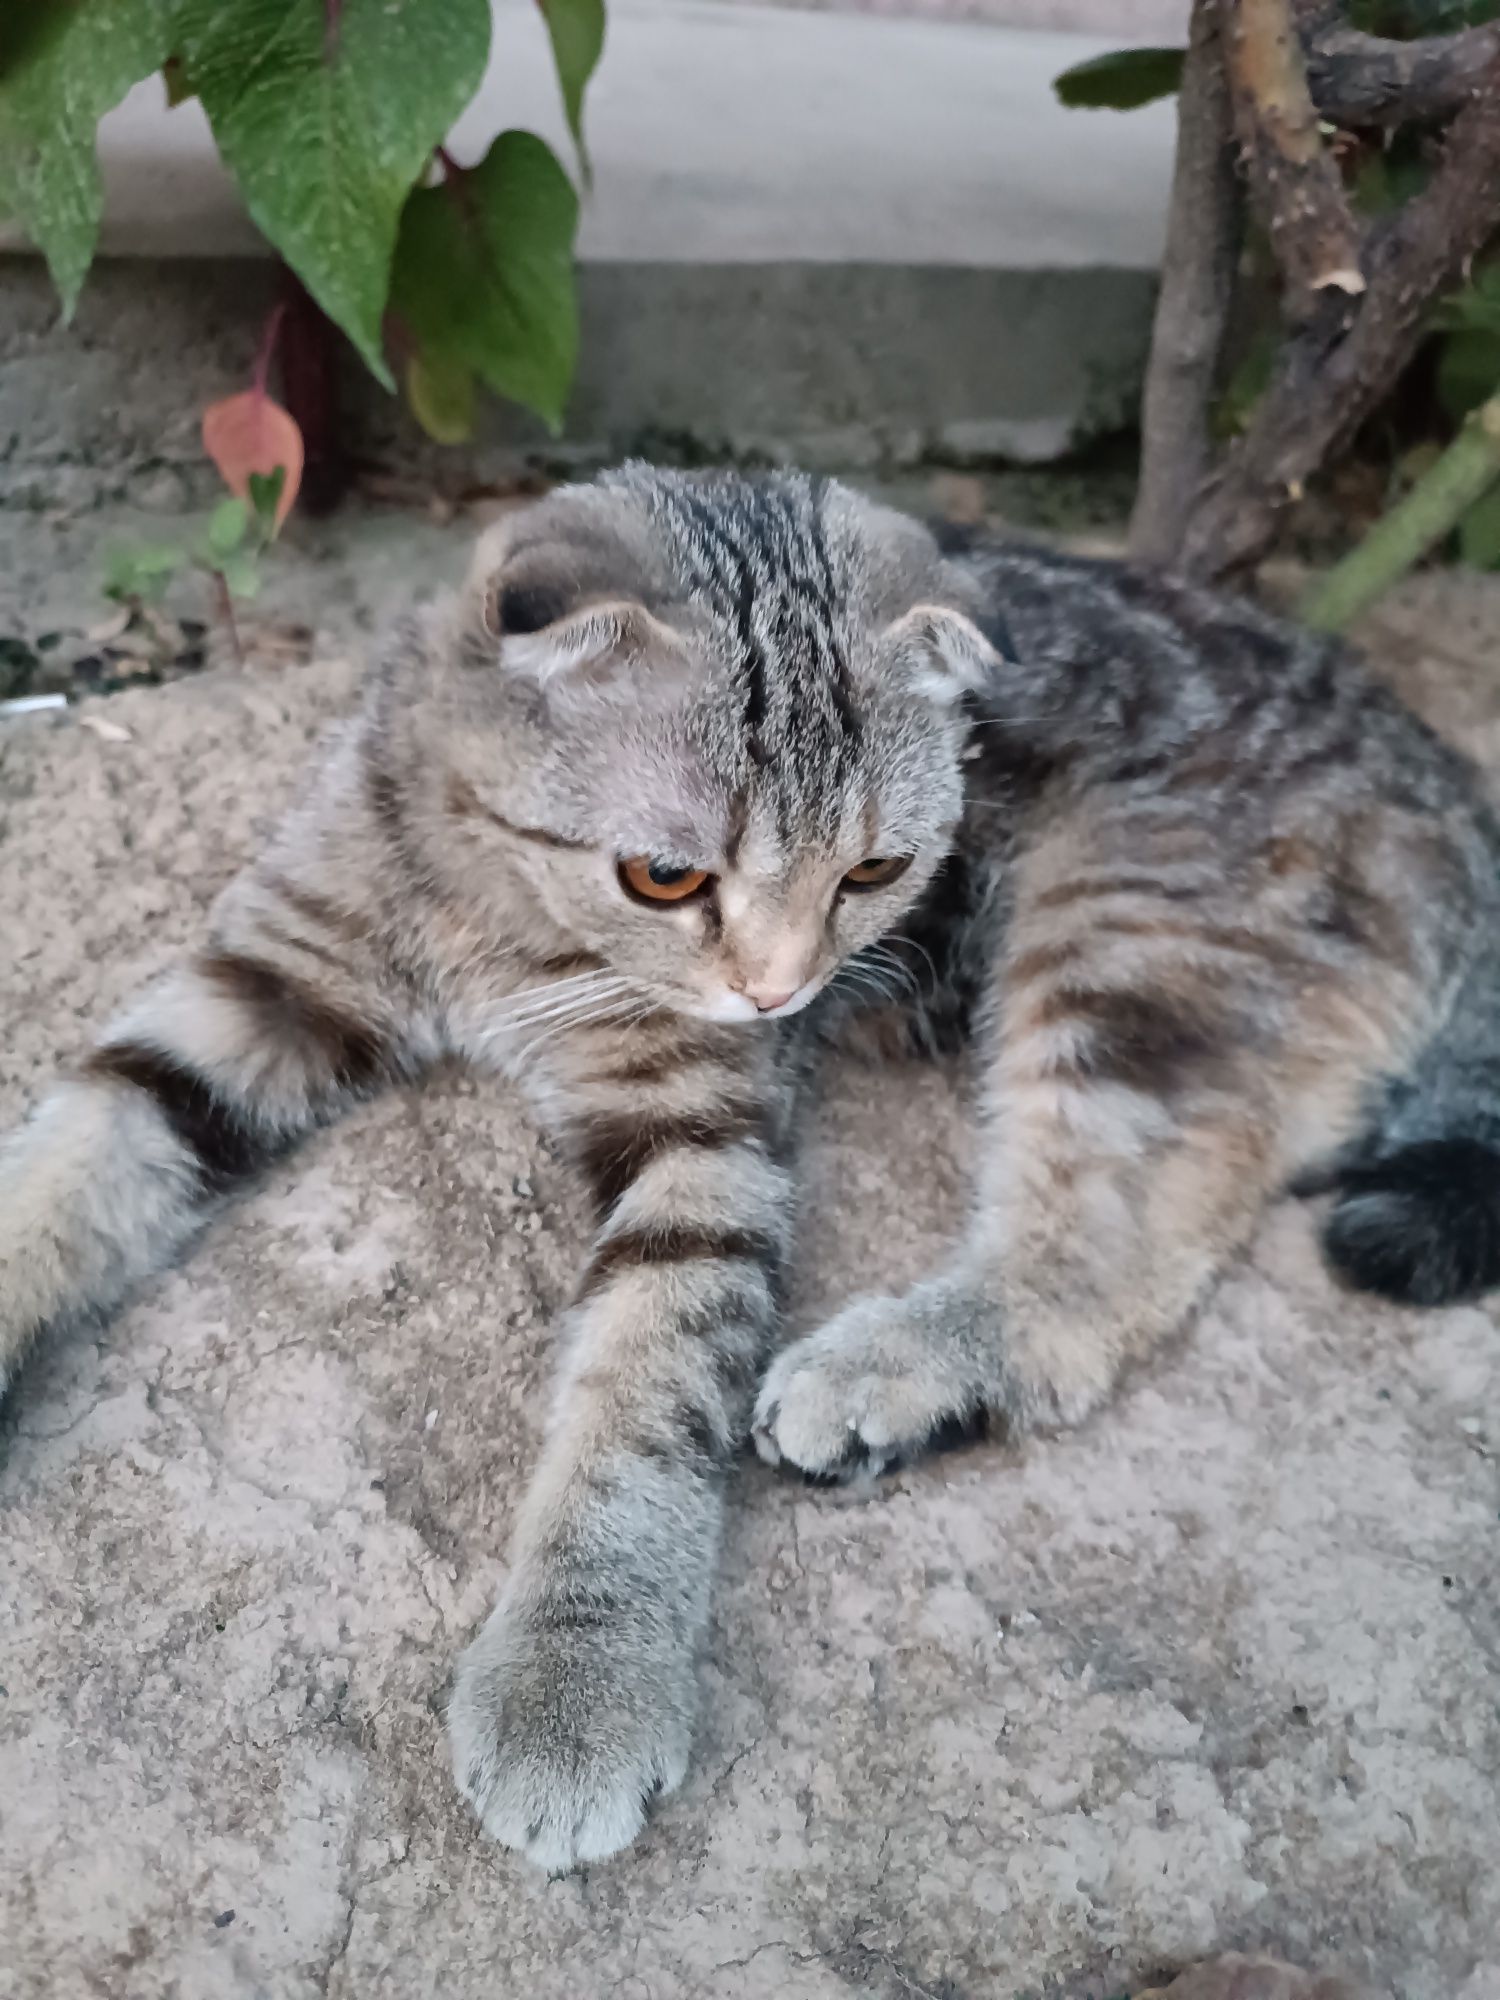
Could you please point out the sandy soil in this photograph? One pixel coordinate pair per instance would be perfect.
(1219, 1671)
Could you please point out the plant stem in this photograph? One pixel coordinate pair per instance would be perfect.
(267, 348)
(309, 351)
(226, 612)
(1445, 492)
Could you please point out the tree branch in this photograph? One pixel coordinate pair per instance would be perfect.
(1359, 80)
(1294, 180)
(1192, 306)
(1330, 377)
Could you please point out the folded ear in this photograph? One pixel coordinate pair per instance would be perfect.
(558, 594)
(944, 654)
(587, 644)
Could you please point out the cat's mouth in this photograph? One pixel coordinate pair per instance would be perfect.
(728, 1006)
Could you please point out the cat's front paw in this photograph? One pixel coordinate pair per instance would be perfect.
(884, 1379)
(566, 1724)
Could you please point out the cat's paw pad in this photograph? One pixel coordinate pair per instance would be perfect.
(562, 1738)
(862, 1393)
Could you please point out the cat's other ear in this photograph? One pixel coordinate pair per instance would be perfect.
(942, 654)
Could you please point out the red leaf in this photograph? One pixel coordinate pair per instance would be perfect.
(249, 433)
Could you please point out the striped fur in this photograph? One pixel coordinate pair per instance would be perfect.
(1221, 915)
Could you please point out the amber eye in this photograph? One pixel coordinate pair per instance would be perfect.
(652, 881)
(874, 874)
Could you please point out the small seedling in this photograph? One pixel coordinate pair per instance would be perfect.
(228, 551)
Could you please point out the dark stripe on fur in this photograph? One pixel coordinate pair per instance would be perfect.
(384, 797)
(1092, 888)
(290, 940)
(465, 803)
(319, 910)
(355, 1053)
(559, 963)
(614, 1148)
(226, 1146)
(675, 1243)
(1149, 1042)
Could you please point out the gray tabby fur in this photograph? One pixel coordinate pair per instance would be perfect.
(1217, 914)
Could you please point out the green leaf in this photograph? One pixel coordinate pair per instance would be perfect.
(61, 69)
(577, 31)
(265, 498)
(440, 389)
(226, 527)
(1123, 80)
(241, 573)
(143, 571)
(1476, 306)
(1479, 532)
(327, 117)
(483, 277)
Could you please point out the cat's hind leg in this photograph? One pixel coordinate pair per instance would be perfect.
(1164, 1058)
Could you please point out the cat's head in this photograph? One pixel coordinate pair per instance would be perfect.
(716, 723)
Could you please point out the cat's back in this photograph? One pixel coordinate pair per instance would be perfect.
(1131, 677)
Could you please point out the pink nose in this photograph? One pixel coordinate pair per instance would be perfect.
(768, 1002)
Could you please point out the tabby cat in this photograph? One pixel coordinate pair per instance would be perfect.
(695, 773)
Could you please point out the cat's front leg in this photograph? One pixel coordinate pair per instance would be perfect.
(574, 1706)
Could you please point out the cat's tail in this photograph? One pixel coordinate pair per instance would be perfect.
(1416, 1214)
(1420, 1225)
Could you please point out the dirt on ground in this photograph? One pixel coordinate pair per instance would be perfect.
(1220, 1671)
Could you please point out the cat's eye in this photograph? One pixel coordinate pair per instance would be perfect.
(653, 881)
(875, 872)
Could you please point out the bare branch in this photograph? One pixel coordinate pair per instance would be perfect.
(1192, 306)
(1329, 378)
(1294, 179)
(1359, 80)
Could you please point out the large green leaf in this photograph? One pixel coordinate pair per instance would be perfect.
(327, 114)
(483, 277)
(577, 31)
(62, 66)
(1123, 80)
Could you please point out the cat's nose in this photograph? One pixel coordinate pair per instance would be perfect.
(766, 1001)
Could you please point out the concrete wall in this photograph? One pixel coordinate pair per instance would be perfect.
(829, 236)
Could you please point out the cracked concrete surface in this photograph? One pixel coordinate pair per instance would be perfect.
(1221, 1670)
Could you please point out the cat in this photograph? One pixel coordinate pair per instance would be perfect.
(697, 775)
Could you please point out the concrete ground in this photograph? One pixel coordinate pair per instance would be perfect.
(1221, 1670)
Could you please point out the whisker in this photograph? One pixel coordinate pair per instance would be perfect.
(608, 1012)
(912, 944)
(535, 1002)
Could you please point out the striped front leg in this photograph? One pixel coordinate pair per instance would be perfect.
(574, 1707)
(276, 1025)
